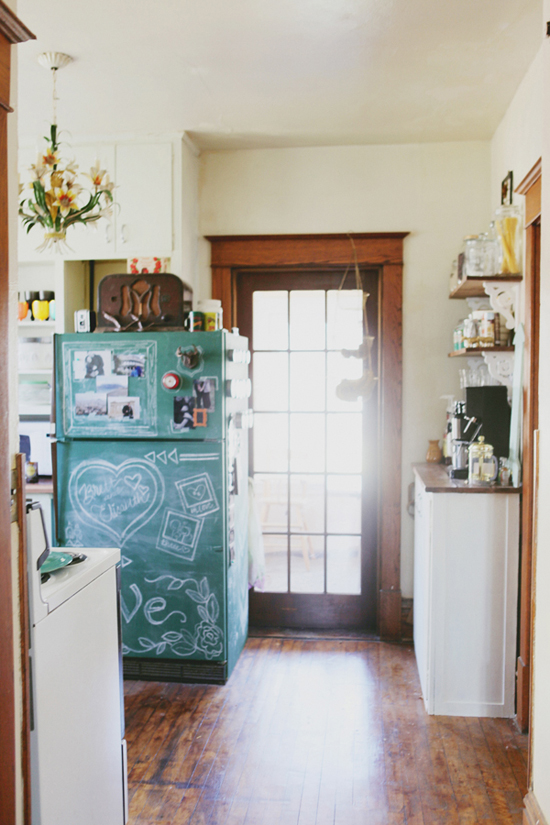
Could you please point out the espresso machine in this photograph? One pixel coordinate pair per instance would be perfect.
(464, 430)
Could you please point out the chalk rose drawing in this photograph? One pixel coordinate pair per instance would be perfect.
(207, 637)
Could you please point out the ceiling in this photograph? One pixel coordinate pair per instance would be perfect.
(258, 73)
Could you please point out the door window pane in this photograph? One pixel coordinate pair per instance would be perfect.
(344, 318)
(339, 369)
(271, 493)
(270, 381)
(276, 564)
(344, 565)
(307, 566)
(270, 442)
(307, 442)
(307, 504)
(307, 381)
(343, 504)
(344, 443)
(307, 319)
(270, 320)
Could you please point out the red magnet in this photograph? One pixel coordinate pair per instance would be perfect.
(170, 381)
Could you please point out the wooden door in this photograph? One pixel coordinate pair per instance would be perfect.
(382, 251)
(531, 188)
(11, 31)
(313, 455)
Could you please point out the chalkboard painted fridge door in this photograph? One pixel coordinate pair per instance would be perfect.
(142, 385)
(163, 504)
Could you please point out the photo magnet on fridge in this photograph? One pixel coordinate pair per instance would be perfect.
(183, 413)
(205, 393)
(90, 403)
(131, 364)
(123, 408)
(91, 364)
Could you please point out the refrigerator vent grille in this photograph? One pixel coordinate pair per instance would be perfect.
(153, 670)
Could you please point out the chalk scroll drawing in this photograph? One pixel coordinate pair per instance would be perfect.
(124, 609)
(158, 605)
(73, 534)
(207, 638)
(117, 500)
(179, 535)
(197, 495)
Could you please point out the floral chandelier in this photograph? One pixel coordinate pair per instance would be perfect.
(57, 200)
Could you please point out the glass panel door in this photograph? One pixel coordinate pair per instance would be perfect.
(309, 448)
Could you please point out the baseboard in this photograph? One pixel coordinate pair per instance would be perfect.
(532, 814)
(406, 618)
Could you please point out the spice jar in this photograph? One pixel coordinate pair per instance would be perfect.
(470, 333)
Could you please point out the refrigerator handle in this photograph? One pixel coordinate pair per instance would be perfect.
(55, 532)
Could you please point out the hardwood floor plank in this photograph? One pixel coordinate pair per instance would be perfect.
(316, 732)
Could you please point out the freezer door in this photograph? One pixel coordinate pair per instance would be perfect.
(162, 504)
(168, 385)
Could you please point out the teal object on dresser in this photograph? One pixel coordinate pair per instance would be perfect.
(151, 457)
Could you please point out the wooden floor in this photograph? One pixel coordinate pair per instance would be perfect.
(316, 733)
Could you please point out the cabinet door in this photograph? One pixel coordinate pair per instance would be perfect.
(144, 195)
(93, 240)
(422, 586)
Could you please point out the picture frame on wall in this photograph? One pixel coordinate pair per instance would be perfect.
(507, 190)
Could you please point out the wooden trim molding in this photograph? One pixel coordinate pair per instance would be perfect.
(11, 31)
(384, 251)
(531, 187)
(11, 26)
(24, 639)
(532, 815)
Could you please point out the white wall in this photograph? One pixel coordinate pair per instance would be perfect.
(190, 212)
(517, 142)
(437, 192)
(541, 709)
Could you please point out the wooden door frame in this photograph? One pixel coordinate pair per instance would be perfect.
(377, 250)
(530, 186)
(11, 31)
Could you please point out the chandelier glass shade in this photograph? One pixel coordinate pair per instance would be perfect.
(53, 198)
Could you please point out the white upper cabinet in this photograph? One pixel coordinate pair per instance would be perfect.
(144, 196)
(143, 219)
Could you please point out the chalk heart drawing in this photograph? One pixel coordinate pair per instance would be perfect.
(197, 491)
(118, 500)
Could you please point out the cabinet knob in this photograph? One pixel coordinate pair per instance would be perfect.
(123, 238)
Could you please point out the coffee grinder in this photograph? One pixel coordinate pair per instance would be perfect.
(463, 431)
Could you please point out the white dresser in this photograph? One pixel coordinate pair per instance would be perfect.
(465, 594)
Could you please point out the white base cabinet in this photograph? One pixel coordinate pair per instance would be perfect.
(465, 597)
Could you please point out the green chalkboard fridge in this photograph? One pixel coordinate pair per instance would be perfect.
(151, 457)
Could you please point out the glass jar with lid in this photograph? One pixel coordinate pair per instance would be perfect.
(482, 464)
(509, 229)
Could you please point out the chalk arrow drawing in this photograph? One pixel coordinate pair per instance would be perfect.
(162, 456)
(150, 457)
(173, 456)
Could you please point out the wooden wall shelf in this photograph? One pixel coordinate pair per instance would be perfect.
(473, 287)
(468, 352)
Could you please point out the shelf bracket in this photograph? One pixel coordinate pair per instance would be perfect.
(501, 367)
(504, 298)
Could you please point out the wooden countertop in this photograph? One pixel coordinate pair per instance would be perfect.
(44, 485)
(436, 479)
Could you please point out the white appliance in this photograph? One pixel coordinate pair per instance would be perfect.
(39, 432)
(78, 750)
